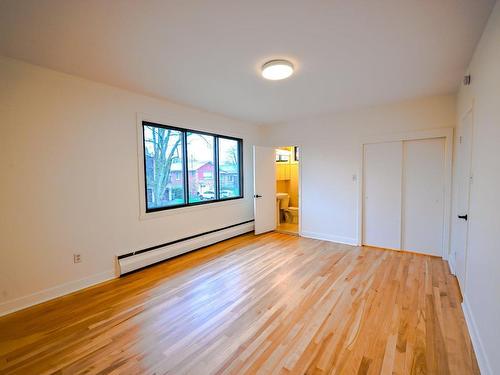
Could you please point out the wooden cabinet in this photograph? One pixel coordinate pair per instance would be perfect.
(282, 171)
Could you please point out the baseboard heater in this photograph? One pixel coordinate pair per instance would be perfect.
(142, 258)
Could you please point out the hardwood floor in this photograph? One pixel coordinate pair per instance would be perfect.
(253, 305)
(288, 228)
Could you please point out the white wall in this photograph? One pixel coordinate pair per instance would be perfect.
(482, 288)
(68, 151)
(331, 156)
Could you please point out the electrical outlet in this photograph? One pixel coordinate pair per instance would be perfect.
(77, 258)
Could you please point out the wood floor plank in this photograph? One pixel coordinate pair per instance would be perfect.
(269, 304)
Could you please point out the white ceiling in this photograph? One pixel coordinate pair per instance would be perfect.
(348, 53)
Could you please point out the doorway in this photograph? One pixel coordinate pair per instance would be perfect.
(287, 189)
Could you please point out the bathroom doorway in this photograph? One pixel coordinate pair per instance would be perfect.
(288, 189)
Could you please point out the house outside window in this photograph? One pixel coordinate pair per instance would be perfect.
(186, 167)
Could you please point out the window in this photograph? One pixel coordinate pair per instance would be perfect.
(201, 166)
(282, 156)
(163, 155)
(185, 167)
(229, 167)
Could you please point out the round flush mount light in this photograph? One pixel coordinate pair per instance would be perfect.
(277, 69)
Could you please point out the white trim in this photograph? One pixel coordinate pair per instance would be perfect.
(463, 283)
(451, 264)
(482, 359)
(404, 176)
(135, 262)
(54, 292)
(330, 238)
(186, 209)
(140, 166)
(299, 172)
(140, 171)
(178, 123)
(408, 136)
(446, 133)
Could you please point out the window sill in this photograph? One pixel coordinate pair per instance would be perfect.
(187, 209)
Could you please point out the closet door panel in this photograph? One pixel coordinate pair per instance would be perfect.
(423, 196)
(382, 194)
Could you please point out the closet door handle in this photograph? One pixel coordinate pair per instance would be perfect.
(463, 217)
(257, 196)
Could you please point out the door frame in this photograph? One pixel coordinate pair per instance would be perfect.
(301, 156)
(453, 258)
(447, 134)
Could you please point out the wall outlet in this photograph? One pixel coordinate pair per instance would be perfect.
(77, 258)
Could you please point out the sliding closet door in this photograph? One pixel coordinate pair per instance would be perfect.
(423, 196)
(382, 194)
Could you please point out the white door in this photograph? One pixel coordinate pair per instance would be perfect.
(423, 196)
(464, 155)
(264, 182)
(382, 194)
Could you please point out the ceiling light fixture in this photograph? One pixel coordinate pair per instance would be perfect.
(277, 69)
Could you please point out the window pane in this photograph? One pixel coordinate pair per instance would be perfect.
(201, 169)
(229, 168)
(164, 174)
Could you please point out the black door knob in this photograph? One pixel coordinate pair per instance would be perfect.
(463, 217)
(257, 196)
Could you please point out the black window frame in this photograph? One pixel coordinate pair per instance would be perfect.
(184, 132)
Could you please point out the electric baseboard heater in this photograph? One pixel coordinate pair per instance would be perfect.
(141, 258)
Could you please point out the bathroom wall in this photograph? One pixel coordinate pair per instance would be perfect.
(294, 184)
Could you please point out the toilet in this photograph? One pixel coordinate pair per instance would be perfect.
(289, 213)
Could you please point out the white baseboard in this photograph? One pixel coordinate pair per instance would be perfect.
(482, 359)
(54, 292)
(29, 300)
(452, 266)
(141, 260)
(330, 238)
